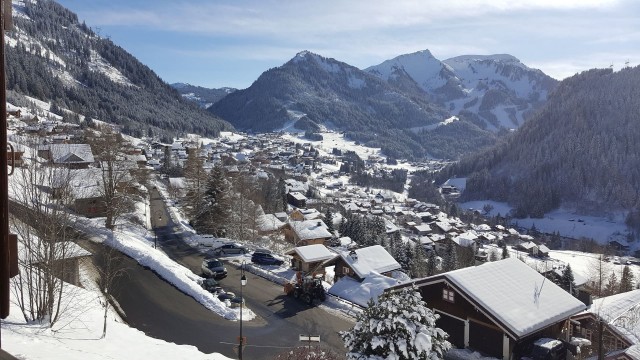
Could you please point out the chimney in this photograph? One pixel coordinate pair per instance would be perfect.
(353, 255)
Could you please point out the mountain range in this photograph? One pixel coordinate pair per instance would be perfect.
(411, 106)
(53, 57)
(498, 90)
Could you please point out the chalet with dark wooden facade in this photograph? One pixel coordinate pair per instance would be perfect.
(498, 308)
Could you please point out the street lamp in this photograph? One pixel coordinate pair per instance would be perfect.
(155, 232)
(243, 282)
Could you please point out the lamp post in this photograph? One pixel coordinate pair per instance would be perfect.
(155, 232)
(243, 282)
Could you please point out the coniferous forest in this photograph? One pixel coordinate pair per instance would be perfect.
(580, 151)
(56, 62)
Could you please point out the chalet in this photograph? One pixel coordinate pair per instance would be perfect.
(529, 247)
(74, 156)
(620, 322)
(297, 199)
(441, 227)
(306, 232)
(422, 229)
(66, 265)
(498, 308)
(310, 258)
(359, 263)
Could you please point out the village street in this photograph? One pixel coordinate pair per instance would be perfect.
(160, 310)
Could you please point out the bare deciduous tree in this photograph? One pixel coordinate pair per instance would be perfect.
(40, 194)
(117, 181)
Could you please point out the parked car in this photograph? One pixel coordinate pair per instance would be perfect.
(230, 248)
(211, 286)
(213, 268)
(548, 349)
(265, 259)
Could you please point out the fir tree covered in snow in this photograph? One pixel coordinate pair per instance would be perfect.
(449, 258)
(432, 263)
(399, 326)
(214, 217)
(626, 280)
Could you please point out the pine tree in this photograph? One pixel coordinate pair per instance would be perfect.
(196, 179)
(505, 251)
(450, 258)
(419, 266)
(282, 193)
(217, 208)
(432, 266)
(567, 280)
(626, 280)
(612, 286)
(398, 326)
(328, 219)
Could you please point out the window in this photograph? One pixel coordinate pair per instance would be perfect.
(447, 295)
(345, 270)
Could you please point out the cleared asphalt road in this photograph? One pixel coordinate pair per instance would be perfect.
(161, 311)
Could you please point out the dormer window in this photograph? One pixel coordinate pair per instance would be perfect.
(448, 295)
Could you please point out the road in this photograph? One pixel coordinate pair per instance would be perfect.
(161, 311)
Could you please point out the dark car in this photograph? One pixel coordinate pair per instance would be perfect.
(265, 259)
(213, 268)
(211, 286)
(230, 248)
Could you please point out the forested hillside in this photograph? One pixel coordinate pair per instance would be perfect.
(580, 150)
(204, 97)
(52, 57)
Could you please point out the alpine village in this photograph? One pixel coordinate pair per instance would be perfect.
(466, 208)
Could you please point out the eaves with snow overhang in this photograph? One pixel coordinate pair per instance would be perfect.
(515, 297)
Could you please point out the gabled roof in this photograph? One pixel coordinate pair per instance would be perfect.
(312, 253)
(370, 259)
(361, 292)
(516, 297)
(620, 312)
(310, 229)
(71, 153)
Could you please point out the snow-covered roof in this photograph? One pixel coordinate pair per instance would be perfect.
(71, 153)
(310, 229)
(269, 222)
(370, 259)
(423, 228)
(443, 226)
(298, 196)
(312, 253)
(516, 297)
(620, 312)
(528, 245)
(361, 292)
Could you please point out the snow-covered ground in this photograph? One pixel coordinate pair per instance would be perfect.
(564, 221)
(78, 335)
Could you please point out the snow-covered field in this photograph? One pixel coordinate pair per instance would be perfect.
(566, 222)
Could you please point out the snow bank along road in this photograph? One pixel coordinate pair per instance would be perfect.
(160, 310)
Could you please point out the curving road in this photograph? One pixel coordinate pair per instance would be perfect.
(161, 311)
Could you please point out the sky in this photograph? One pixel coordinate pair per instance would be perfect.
(231, 42)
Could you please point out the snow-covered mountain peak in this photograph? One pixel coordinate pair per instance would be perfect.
(498, 89)
(427, 71)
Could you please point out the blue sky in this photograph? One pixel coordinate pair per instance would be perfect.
(230, 43)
